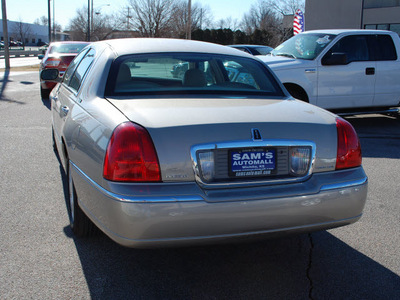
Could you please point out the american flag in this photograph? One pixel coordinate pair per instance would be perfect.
(298, 22)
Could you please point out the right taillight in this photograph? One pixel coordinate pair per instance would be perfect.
(348, 146)
(131, 156)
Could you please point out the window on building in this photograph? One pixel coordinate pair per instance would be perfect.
(382, 26)
(370, 27)
(380, 3)
(391, 27)
(395, 28)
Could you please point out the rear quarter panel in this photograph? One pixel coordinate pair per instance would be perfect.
(92, 120)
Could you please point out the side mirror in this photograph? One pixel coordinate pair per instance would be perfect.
(335, 58)
(40, 56)
(49, 74)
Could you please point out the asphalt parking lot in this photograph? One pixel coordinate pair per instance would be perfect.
(41, 259)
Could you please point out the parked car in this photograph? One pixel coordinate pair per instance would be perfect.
(341, 70)
(253, 49)
(222, 154)
(58, 55)
(41, 43)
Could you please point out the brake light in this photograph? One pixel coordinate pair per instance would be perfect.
(52, 62)
(349, 148)
(131, 156)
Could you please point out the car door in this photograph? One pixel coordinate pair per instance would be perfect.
(67, 96)
(387, 86)
(350, 84)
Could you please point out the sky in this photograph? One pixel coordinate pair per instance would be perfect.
(29, 10)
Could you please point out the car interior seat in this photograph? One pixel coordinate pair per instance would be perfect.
(194, 78)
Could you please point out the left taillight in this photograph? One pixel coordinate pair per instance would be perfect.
(348, 146)
(131, 156)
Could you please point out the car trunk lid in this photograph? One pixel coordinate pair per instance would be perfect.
(178, 126)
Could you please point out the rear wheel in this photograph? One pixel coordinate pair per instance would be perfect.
(80, 224)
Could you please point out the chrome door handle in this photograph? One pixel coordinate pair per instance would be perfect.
(64, 110)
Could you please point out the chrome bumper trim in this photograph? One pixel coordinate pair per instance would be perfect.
(133, 199)
(190, 198)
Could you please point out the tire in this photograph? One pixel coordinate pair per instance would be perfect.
(44, 93)
(80, 224)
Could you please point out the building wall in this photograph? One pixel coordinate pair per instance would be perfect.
(385, 15)
(333, 14)
(350, 14)
(36, 33)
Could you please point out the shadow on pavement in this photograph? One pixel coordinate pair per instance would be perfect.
(341, 272)
(3, 84)
(273, 269)
(269, 269)
(46, 102)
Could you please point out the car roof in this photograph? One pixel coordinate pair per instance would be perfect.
(340, 31)
(69, 42)
(159, 45)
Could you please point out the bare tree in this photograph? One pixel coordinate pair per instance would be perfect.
(21, 31)
(263, 23)
(201, 16)
(101, 26)
(228, 23)
(260, 16)
(286, 7)
(78, 25)
(152, 18)
(44, 21)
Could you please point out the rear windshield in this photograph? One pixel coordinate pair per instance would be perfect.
(193, 73)
(67, 48)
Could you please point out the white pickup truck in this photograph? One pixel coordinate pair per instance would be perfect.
(341, 70)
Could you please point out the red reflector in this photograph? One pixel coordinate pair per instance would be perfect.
(131, 155)
(349, 148)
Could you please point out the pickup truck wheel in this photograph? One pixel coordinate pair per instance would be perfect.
(297, 92)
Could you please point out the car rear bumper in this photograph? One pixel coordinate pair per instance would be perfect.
(155, 218)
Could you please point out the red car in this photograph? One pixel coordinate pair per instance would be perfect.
(58, 55)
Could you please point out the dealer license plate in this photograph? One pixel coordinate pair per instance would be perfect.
(252, 162)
